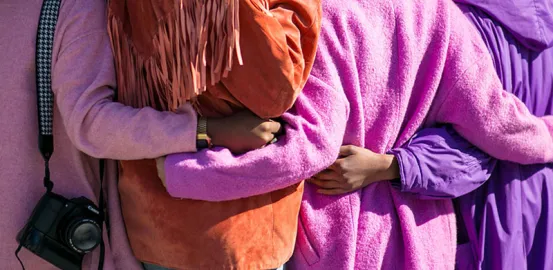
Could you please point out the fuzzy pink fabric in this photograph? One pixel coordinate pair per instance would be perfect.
(401, 65)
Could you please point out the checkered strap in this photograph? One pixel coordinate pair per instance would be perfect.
(44, 43)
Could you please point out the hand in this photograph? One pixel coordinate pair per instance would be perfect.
(242, 131)
(355, 169)
(160, 164)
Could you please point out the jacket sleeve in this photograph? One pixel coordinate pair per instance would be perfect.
(278, 44)
(314, 132)
(83, 81)
(471, 98)
(438, 163)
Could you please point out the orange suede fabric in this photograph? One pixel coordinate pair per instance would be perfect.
(278, 49)
(251, 233)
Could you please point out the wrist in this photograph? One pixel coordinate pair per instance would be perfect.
(391, 167)
(213, 126)
(203, 140)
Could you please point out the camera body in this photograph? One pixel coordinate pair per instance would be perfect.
(62, 231)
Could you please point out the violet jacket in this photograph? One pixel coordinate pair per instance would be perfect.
(507, 222)
(384, 70)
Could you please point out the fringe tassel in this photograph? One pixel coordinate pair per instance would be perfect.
(200, 34)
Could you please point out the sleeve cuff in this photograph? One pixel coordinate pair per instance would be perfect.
(402, 182)
(171, 183)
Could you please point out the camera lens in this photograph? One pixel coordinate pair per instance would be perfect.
(83, 235)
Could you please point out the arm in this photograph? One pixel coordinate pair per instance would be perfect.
(471, 98)
(314, 133)
(438, 163)
(83, 80)
(278, 44)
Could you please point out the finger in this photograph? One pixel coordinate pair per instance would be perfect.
(324, 183)
(281, 129)
(347, 150)
(268, 137)
(328, 175)
(270, 126)
(338, 165)
(160, 165)
(335, 191)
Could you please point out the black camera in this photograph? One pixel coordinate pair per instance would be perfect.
(62, 231)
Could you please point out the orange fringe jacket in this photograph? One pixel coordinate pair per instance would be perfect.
(277, 45)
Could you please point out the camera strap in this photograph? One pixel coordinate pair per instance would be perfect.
(45, 102)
